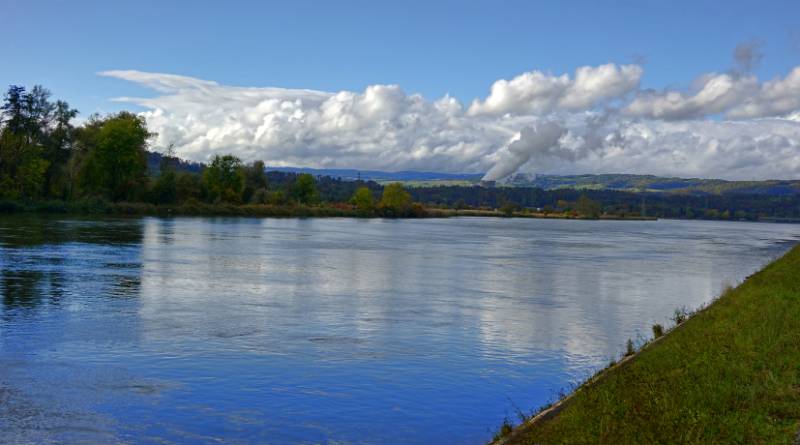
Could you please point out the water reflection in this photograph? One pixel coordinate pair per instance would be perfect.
(19, 288)
(30, 231)
(350, 331)
(43, 259)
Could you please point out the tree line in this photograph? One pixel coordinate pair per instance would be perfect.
(43, 156)
(729, 206)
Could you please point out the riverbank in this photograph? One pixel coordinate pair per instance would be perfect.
(100, 207)
(728, 374)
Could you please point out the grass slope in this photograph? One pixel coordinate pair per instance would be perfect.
(728, 375)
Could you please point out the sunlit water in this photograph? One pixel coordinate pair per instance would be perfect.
(196, 330)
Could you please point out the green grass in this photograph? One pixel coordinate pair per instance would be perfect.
(432, 183)
(102, 207)
(730, 374)
(196, 208)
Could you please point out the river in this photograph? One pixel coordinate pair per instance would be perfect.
(201, 330)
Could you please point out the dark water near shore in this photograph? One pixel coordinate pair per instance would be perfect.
(279, 331)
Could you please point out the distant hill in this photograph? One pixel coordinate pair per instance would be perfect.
(621, 182)
(154, 163)
(377, 175)
(650, 183)
(618, 182)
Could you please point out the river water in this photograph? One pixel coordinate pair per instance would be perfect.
(236, 330)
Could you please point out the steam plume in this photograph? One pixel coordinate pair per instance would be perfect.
(541, 139)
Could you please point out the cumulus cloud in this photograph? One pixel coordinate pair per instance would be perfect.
(610, 143)
(758, 149)
(380, 127)
(734, 96)
(774, 98)
(595, 121)
(538, 92)
(712, 94)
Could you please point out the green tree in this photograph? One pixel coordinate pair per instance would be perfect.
(395, 201)
(363, 200)
(13, 109)
(58, 149)
(587, 207)
(22, 169)
(188, 187)
(277, 197)
(509, 208)
(304, 189)
(24, 123)
(165, 190)
(255, 184)
(224, 179)
(118, 158)
(82, 167)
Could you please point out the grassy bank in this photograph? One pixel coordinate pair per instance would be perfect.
(730, 374)
(101, 207)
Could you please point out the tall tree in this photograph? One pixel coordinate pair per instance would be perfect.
(58, 149)
(304, 189)
(363, 200)
(395, 201)
(38, 113)
(13, 116)
(25, 123)
(255, 181)
(115, 160)
(224, 179)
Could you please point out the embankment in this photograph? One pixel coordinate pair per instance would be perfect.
(730, 374)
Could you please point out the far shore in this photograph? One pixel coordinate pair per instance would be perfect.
(276, 211)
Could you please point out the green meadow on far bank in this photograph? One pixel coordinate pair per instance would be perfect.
(730, 374)
(293, 210)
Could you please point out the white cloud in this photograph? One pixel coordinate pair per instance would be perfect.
(736, 96)
(538, 92)
(600, 122)
(758, 149)
(774, 98)
(595, 84)
(714, 94)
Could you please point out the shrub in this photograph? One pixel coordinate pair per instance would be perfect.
(658, 330)
(630, 349)
(681, 315)
(509, 208)
(505, 429)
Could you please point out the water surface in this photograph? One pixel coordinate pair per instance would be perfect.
(198, 330)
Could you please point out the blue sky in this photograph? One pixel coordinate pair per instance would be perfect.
(660, 78)
(428, 47)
